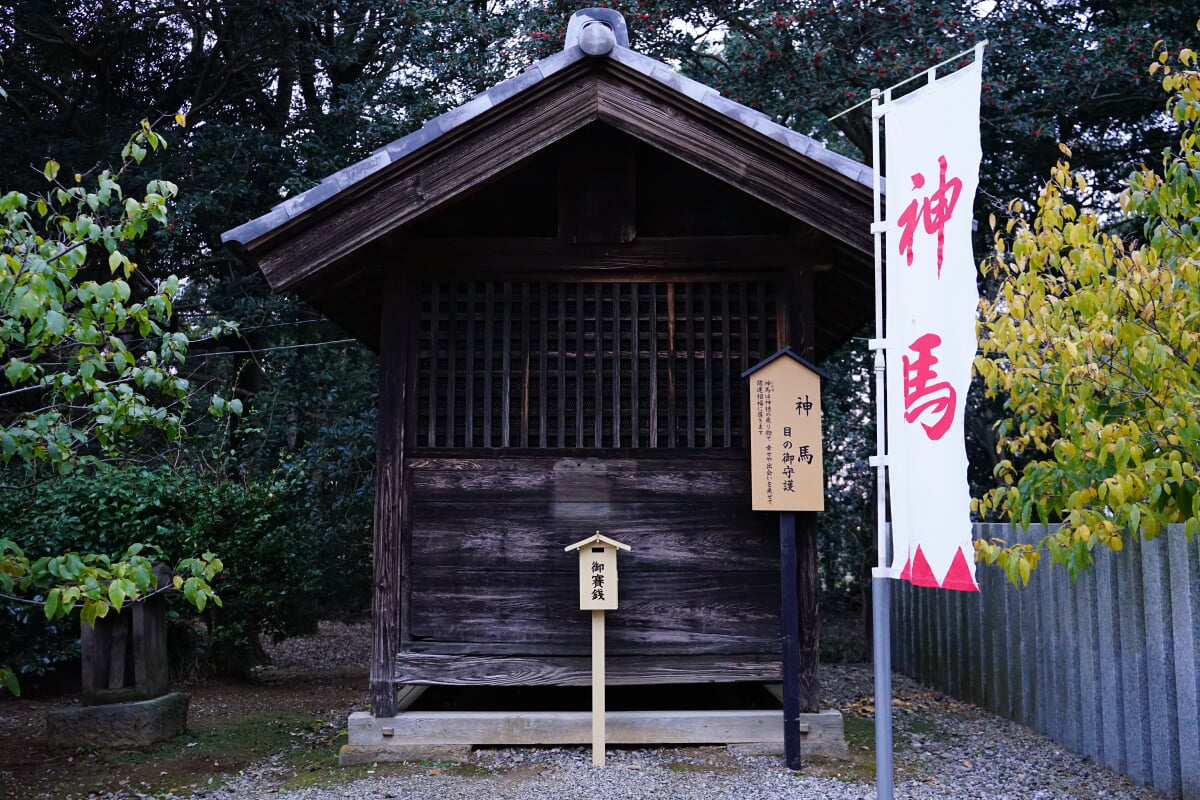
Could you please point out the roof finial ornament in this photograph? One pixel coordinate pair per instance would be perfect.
(596, 31)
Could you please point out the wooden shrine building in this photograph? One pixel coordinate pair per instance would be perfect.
(564, 279)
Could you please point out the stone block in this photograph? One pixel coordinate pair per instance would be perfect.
(822, 734)
(421, 735)
(118, 725)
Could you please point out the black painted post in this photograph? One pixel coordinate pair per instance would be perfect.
(790, 621)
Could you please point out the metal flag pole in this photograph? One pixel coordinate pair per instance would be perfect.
(881, 588)
(930, 73)
(883, 573)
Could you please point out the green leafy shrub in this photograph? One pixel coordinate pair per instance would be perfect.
(287, 564)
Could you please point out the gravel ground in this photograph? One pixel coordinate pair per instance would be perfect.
(983, 758)
(945, 750)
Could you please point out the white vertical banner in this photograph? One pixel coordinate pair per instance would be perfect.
(932, 156)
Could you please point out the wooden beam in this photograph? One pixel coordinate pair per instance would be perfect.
(767, 646)
(391, 501)
(596, 188)
(525, 670)
(521, 257)
(800, 331)
(737, 155)
(424, 735)
(516, 478)
(448, 167)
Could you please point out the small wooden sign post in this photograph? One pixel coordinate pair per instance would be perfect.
(787, 475)
(597, 593)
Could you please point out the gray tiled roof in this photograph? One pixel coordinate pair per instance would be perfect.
(618, 51)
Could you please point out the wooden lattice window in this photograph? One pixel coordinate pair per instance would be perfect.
(589, 365)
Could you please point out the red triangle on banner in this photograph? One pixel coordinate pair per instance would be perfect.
(922, 574)
(906, 573)
(959, 576)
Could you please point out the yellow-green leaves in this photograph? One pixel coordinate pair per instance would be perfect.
(1092, 344)
(9, 681)
(96, 363)
(102, 584)
(97, 584)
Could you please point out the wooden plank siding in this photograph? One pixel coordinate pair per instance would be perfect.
(517, 670)
(544, 411)
(534, 611)
(513, 536)
(634, 425)
(490, 578)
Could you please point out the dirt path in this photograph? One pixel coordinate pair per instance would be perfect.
(282, 735)
(299, 708)
(284, 731)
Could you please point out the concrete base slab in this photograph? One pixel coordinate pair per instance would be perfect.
(352, 754)
(417, 735)
(118, 725)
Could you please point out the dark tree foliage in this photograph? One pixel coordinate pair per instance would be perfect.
(1072, 72)
(276, 95)
(290, 556)
(279, 93)
(846, 529)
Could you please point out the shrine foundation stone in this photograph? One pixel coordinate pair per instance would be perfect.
(118, 725)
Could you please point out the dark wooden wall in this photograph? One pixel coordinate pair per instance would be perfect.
(489, 574)
(543, 412)
(593, 384)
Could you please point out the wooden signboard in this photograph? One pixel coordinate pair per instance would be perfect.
(597, 593)
(787, 470)
(598, 572)
(787, 475)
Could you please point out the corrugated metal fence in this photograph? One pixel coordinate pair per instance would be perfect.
(1108, 665)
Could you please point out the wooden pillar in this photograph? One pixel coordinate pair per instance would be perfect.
(797, 314)
(598, 700)
(809, 612)
(597, 199)
(151, 666)
(397, 335)
(790, 622)
(124, 655)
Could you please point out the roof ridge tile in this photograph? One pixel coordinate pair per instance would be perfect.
(535, 73)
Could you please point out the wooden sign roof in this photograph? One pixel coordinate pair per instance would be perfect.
(596, 538)
(334, 242)
(786, 352)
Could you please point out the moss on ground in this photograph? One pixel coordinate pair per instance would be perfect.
(320, 768)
